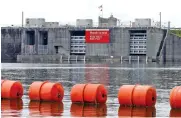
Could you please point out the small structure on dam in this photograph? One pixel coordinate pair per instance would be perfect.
(48, 41)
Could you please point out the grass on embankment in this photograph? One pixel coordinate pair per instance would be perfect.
(176, 32)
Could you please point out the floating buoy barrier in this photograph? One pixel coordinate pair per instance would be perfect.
(77, 93)
(11, 89)
(11, 104)
(125, 111)
(125, 95)
(46, 98)
(136, 111)
(88, 110)
(45, 108)
(77, 109)
(175, 97)
(175, 113)
(90, 93)
(137, 95)
(46, 91)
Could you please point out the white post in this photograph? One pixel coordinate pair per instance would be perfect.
(76, 59)
(121, 59)
(68, 59)
(146, 59)
(61, 59)
(84, 59)
(22, 18)
(129, 59)
(160, 20)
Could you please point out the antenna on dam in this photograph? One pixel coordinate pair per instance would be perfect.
(22, 18)
(160, 20)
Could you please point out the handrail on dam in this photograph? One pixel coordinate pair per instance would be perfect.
(125, 24)
(162, 44)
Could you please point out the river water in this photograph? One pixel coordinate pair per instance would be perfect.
(163, 77)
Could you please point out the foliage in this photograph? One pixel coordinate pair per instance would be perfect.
(176, 32)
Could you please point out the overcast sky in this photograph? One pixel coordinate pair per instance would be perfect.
(67, 11)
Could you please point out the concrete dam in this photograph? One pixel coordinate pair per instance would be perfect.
(46, 44)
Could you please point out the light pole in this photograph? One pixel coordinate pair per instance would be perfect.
(119, 22)
(160, 20)
(22, 18)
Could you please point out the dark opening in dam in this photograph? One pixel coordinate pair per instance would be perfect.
(30, 37)
(43, 38)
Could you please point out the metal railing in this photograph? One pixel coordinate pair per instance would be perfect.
(42, 49)
(96, 24)
(30, 49)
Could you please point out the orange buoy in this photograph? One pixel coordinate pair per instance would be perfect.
(91, 93)
(77, 93)
(144, 112)
(88, 110)
(77, 109)
(46, 91)
(144, 95)
(51, 108)
(138, 95)
(34, 90)
(11, 89)
(2, 81)
(11, 104)
(92, 110)
(175, 97)
(44, 108)
(34, 108)
(125, 94)
(95, 93)
(136, 111)
(125, 111)
(175, 113)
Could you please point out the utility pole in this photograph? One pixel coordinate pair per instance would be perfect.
(130, 23)
(168, 25)
(160, 20)
(119, 24)
(22, 18)
(102, 12)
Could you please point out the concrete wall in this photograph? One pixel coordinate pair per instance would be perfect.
(10, 43)
(35, 22)
(62, 40)
(51, 24)
(59, 37)
(84, 23)
(40, 22)
(172, 48)
(107, 22)
(120, 38)
(143, 22)
(97, 49)
(112, 22)
(154, 38)
(25, 47)
(119, 45)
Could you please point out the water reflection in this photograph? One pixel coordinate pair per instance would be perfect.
(34, 74)
(88, 110)
(42, 108)
(136, 111)
(175, 113)
(111, 75)
(97, 75)
(11, 107)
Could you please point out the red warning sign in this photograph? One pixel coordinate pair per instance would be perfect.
(97, 35)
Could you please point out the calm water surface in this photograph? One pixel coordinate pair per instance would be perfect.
(163, 77)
